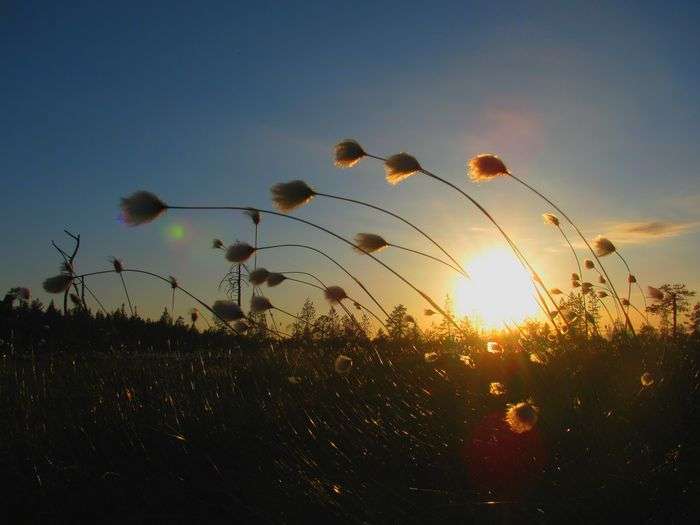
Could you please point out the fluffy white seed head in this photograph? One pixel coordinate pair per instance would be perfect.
(58, 283)
(141, 207)
(239, 252)
(275, 278)
(227, 310)
(335, 294)
(259, 303)
(258, 276)
(347, 153)
(369, 242)
(400, 166)
(485, 167)
(603, 246)
(289, 195)
(522, 417)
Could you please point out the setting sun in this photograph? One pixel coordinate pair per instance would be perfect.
(500, 290)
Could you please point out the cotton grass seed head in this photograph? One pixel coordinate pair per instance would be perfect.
(603, 246)
(58, 283)
(347, 153)
(550, 218)
(141, 207)
(227, 310)
(239, 252)
(485, 167)
(275, 278)
(575, 277)
(258, 276)
(287, 196)
(631, 279)
(335, 294)
(588, 264)
(217, 244)
(343, 364)
(369, 242)
(173, 282)
(522, 417)
(400, 166)
(602, 280)
(259, 303)
(117, 264)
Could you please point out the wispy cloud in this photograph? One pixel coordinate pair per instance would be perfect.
(647, 231)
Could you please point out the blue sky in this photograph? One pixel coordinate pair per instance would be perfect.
(212, 104)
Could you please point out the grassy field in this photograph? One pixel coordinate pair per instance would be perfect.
(278, 436)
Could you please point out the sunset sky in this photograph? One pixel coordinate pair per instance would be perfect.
(596, 106)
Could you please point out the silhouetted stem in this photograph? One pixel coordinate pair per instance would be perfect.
(428, 256)
(127, 293)
(580, 272)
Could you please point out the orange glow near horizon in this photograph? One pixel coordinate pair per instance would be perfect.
(499, 291)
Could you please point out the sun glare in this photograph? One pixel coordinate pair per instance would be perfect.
(499, 291)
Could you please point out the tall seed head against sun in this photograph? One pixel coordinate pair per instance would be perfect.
(522, 417)
(400, 166)
(275, 278)
(588, 264)
(58, 283)
(258, 276)
(290, 195)
(655, 293)
(486, 167)
(259, 303)
(370, 242)
(227, 310)
(347, 153)
(335, 294)
(550, 218)
(141, 207)
(239, 252)
(603, 246)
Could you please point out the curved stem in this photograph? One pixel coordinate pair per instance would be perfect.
(547, 200)
(428, 256)
(343, 239)
(330, 259)
(396, 216)
(580, 272)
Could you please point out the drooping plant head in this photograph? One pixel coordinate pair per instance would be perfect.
(273, 279)
(485, 167)
(550, 218)
(239, 252)
(603, 246)
(258, 276)
(588, 264)
(335, 294)
(141, 207)
(58, 283)
(400, 166)
(227, 310)
(287, 196)
(370, 242)
(655, 293)
(254, 215)
(348, 153)
(259, 303)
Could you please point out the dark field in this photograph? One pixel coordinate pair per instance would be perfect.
(230, 438)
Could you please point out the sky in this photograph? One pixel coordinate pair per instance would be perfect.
(596, 104)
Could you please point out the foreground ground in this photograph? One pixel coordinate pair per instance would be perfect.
(277, 436)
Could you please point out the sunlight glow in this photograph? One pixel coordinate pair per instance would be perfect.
(499, 291)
